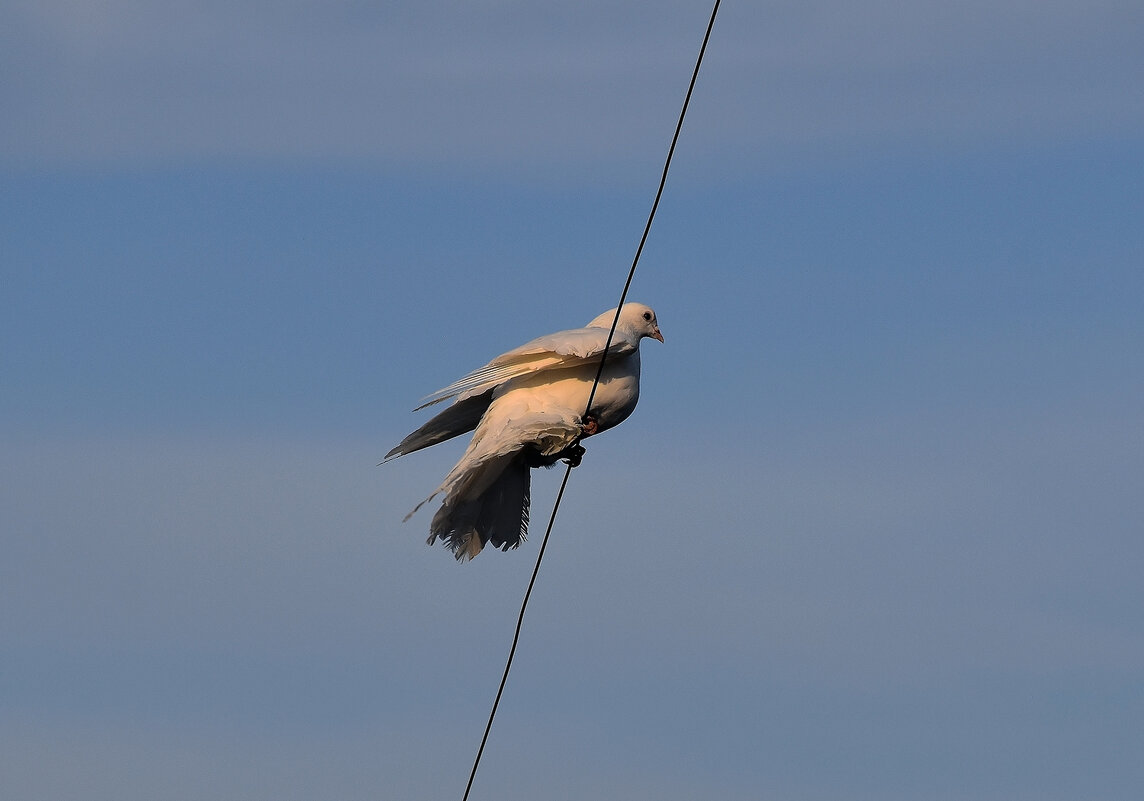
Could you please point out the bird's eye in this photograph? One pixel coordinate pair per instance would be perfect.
(647, 315)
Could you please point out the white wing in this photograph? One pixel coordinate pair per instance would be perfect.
(572, 348)
(487, 492)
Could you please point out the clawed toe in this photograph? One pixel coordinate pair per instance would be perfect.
(572, 455)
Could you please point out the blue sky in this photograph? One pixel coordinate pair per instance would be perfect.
(873, 532)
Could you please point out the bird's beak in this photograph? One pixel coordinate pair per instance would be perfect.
(656, 335)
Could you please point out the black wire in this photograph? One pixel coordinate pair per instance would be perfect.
(591, 397)
(516, 636)
(655, 203)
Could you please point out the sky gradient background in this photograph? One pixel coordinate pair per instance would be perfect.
(874, 531)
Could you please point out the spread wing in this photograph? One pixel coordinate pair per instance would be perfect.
(563, 349)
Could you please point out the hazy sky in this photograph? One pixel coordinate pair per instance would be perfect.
(874, 531)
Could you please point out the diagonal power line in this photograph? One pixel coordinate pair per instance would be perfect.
(592, 395)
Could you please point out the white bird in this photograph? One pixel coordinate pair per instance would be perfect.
(528, 409)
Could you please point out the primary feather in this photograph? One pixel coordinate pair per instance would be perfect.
(526, 409)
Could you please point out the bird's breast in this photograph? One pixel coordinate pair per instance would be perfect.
(568, 390)
(618, 392)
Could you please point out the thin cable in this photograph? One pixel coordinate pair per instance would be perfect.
(591, 397)
(655, 203)
(516, 635)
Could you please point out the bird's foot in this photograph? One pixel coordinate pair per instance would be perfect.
(572, 455)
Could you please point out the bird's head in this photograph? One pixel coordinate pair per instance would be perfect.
(636, 320)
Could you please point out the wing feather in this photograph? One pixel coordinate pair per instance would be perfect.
(563, 349)
(459, 418)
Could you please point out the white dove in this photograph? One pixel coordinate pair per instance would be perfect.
(527, 407)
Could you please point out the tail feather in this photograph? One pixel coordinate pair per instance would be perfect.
(498, 514)
(485, 497)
